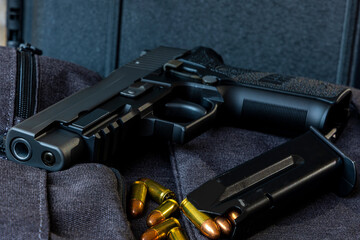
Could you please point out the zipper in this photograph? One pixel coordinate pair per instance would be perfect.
(25, 91)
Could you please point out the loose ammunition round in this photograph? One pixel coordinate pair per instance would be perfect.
(177, 234)
(224, 224)
(137, 198)
(161, 230)
(158, 192)
(162, 212)
(202, 221)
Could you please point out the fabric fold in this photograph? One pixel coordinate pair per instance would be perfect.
(85, 203)
(23, 202)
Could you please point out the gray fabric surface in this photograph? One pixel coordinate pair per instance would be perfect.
(24, 210)
(85, 203)
(7, 77)
(58, 79)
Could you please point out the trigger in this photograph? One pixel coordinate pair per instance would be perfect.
(180, 110)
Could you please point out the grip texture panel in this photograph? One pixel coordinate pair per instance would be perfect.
(276, 116)
(298, 85)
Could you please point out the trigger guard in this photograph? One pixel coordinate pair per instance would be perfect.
(159, 123)
(179, 110)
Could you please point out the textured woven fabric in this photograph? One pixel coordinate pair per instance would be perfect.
(85, 202)
(23, 202)
(7, 85)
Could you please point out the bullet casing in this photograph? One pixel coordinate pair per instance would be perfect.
(137, 199)
(177, 234)
(158, 192)
(194, 215)
(202, 221)
(138, 191)
(165, 210)
(161, 230)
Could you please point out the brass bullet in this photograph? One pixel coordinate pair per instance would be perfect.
(161, 230)
(202, 221)
(233, 215)
(162, 212)
(158, 192)
(154, 218)
(177, 234)
(137, 198)
(224, 224)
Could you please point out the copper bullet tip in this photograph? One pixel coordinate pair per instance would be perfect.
(224, 224)
(210, 229)
(154, 218)
(233, 215)
(136, 208)
(150, 234)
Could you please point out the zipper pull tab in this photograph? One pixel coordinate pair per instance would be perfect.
(27, 47)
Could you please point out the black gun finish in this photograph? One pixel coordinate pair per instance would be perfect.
(284, 175)
(173, 94)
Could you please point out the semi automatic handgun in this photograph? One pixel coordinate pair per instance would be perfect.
(174, 94)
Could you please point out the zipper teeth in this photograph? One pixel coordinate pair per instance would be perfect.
(25, 101)
(25, 85)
